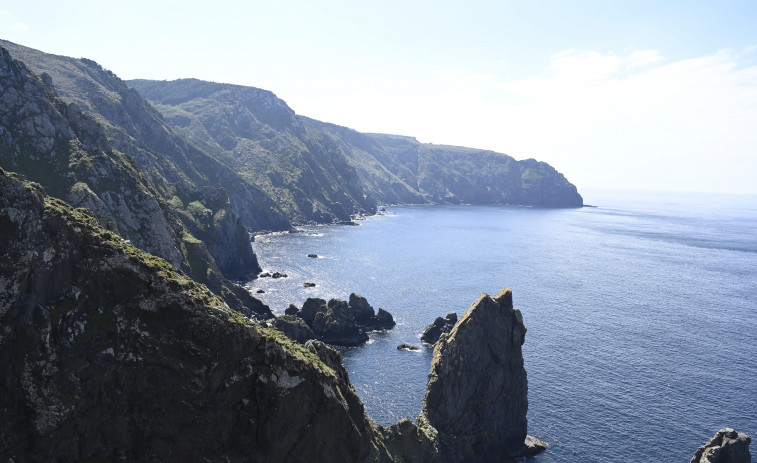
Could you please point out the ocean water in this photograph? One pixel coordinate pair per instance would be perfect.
(641, 312)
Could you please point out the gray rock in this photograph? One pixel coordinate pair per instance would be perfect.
(361, 309)
(477, 393)
(312, 306)
(726, 446)
(407, 347)
(366, 317)
(334, 325)
(308, 284)
(441, 325)
(291, 310)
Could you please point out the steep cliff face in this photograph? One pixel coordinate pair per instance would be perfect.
(65, 150)
(455, 174)
(288, 156)
(477, 393)
(258, 135)
(173, 165)
(108, 353)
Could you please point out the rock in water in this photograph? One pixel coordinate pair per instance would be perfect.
(433, 332)
(477, 393)
(726, 446)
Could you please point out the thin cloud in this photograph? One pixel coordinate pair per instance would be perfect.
(630, 120)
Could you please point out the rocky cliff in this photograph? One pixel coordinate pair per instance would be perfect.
(477, 394)
(67, 151)
(322, 172)
(111, 354)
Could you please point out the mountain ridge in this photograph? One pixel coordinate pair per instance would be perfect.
(415, 173)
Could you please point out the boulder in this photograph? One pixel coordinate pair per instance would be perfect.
(313, 256)
(441, 325)
(726, 446)
(477, 392)
(308, 284)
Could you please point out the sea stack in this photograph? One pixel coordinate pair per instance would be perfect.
(477, 393)
(726, 446)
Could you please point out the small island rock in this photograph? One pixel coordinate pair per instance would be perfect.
(726, 446)
(440, 325)
(407, 347)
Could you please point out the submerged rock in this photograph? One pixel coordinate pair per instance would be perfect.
(726, 446)
(477, 393)
(441, 325)
(408, 347)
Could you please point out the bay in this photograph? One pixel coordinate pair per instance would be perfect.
(642, 335)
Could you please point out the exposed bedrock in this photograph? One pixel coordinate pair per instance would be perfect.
(477, 393)
(339, 322)
(726, 446)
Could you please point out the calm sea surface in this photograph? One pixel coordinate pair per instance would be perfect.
(641, 313)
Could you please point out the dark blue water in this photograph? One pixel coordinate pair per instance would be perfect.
(641, 313)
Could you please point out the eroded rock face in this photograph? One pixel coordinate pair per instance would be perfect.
(111, 354)
(477, 393)
(726, 446)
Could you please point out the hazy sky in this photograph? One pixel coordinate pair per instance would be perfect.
(626, 94)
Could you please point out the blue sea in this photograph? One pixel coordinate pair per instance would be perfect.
(641, 312)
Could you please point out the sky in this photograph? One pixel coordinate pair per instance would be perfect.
(655, 95)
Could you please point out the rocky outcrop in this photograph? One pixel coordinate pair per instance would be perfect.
(294, 328)
(366, 317)
(477, 393)
(333, 323)
(340, 322)
(111, 354)
(440, 326)
(726, 446)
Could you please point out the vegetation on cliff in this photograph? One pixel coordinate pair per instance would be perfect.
(54, 143)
